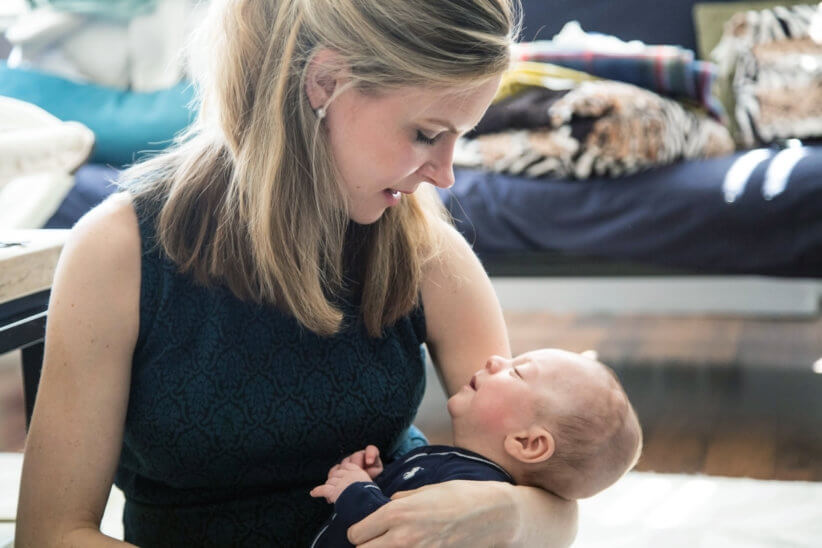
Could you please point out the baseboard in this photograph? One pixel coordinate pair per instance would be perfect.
(719, 295)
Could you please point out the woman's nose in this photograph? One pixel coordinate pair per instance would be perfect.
(444, 176)
(442, 167)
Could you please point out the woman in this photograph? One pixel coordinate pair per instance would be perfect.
(251, 309)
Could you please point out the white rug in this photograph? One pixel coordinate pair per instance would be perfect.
(672, 511)
(643, 510)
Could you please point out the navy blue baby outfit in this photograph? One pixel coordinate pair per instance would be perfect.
(235, 411)
(421, 466)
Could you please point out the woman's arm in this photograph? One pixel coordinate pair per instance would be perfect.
(473, 514)
(464, 326)
(76, 431)
(464, 323)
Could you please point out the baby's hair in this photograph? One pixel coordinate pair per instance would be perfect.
(595, 445)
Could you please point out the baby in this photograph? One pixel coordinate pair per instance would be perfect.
(548, 418)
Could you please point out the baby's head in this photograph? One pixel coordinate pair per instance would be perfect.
(554, 419)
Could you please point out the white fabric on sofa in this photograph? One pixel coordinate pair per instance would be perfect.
(38, 154)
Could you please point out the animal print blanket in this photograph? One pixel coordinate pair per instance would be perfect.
(598, 128)
(773, 61)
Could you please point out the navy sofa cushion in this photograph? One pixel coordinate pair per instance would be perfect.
(678, 216)
(92, 184)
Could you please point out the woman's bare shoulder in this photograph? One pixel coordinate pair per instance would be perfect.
(101, 260)
(110, 231)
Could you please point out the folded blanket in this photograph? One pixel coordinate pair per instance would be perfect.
(38, 153)
(600, 128)
(668, 70)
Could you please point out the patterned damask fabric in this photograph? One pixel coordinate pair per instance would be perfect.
(236, 412)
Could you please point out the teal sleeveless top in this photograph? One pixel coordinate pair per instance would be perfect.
(235, 411)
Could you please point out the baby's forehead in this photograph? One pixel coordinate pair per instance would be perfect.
(549, 357)
(569, 368)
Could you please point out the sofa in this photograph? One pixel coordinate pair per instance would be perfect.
(756, 211)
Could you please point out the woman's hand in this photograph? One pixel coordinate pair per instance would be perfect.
(455, 514)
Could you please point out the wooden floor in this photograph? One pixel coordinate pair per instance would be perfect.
(12, 410)
(720, 396)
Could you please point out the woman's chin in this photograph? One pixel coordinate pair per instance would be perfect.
(366, 218)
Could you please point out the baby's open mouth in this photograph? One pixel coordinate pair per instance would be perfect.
(473, 383)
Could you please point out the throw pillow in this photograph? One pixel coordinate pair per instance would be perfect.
(124, 123)
(773, 61)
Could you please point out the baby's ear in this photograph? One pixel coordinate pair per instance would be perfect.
(590, 354)
(530, 446)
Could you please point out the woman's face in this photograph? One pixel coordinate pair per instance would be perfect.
(385, 145)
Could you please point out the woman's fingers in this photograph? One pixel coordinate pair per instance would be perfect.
(456, 514)
(402, 494)
(368, 530)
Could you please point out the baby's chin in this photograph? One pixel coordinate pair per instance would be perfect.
(448, 405)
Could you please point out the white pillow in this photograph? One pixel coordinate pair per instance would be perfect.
(38, 154)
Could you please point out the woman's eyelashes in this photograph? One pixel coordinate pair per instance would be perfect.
(426, 140)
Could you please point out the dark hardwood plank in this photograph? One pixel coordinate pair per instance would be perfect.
(787, 343)
(670, 448)
(798, 451)
(747, 450)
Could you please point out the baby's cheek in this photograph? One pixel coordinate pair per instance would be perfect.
(495, 417)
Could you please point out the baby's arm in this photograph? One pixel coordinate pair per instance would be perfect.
(339, 478)
(354, 495)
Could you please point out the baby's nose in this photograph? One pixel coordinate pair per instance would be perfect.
(494, 364)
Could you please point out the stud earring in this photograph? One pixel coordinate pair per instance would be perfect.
(321, 113)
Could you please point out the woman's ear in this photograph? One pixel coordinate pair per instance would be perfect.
(323, 76)
(530, 446)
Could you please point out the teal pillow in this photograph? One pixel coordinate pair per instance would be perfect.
(124, 123)
(124, 9)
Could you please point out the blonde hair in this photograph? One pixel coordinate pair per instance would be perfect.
(249, 194)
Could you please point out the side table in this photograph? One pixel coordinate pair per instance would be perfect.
(28, 259)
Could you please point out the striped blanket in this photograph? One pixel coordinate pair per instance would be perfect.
(668, 70)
